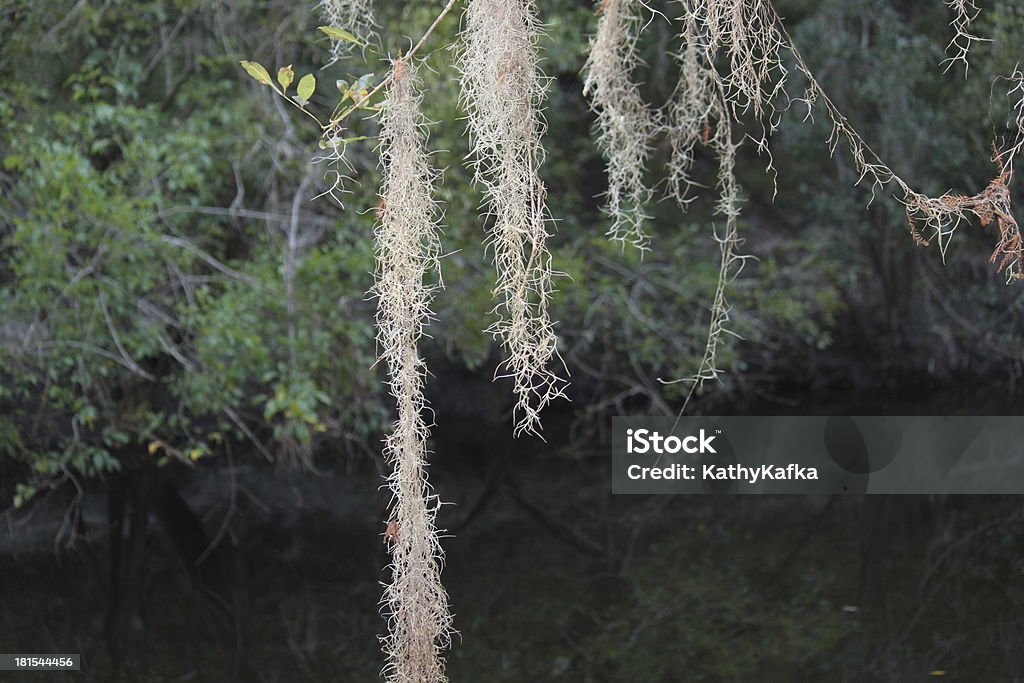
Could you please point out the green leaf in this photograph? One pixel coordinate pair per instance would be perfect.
(361, 89)
(340, 34)
(256, 70)
(364, 83)
(23, 493)
(285, 76)
(306, 87)
(337, 142)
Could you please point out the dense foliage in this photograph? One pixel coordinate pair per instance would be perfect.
(170, 282)
(187, 281)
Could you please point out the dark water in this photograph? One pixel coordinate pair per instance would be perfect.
(550, 577)
(573, 585)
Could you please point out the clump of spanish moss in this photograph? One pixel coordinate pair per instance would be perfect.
(932, 218)
(746, 31)
(700, 114)
(502, 90)
(730, 261)
(690, 108)
(731, 66)
(408, 248)
(625, 124)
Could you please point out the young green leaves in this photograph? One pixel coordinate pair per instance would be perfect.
(285, 77)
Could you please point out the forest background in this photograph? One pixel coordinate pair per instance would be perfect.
(179, 311)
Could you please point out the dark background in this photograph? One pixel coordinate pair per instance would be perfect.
(190, 429)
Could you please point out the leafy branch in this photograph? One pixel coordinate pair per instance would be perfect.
(359, 92)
